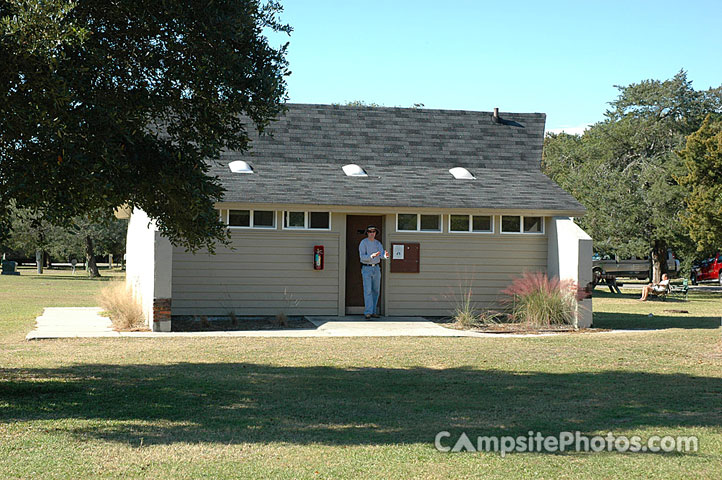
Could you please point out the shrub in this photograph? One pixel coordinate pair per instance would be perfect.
(125, 312)
(538, 301)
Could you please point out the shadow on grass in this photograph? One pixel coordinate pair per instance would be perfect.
(241, 402)
(636, 321)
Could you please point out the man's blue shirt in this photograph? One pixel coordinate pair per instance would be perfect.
(366, 248)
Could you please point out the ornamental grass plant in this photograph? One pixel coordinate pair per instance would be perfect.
(467, 315)
(125, 313)
(539, 301)
(465, 312)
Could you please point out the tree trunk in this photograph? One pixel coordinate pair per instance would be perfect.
(90, 264)
(659, 260)
(39, 260)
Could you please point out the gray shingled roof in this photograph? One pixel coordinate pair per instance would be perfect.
(407, 154)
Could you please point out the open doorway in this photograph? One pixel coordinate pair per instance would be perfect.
(355, 232)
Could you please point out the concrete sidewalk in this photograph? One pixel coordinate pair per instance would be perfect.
(59, 322)
(72, 322)
(83, 322)
(356, 326)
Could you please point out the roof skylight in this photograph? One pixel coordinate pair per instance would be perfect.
(353, 170)
(239, 166)
(461, 173)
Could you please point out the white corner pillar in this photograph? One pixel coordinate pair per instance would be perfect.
(569, 257)
(149, 267)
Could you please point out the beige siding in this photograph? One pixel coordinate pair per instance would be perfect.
(269, 272)
(451, 264)
(251, 279)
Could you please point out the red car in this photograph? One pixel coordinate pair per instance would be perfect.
(710, 269)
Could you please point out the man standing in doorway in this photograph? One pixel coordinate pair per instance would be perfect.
(370, 252)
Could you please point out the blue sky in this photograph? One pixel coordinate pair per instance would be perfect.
(560, 58)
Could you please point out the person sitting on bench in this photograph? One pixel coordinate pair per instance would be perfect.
(655, 288)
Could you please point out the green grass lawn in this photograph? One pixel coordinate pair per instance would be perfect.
(625, 311)
(352, 407)
(23, 297)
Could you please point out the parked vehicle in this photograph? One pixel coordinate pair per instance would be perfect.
(633, 268)
(708, 269)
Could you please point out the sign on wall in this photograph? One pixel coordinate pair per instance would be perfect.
(405, 257)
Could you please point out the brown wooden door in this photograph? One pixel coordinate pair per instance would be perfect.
(355, 232)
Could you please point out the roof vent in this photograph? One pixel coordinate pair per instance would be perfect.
(353, 170)
(239, 166)
(461, 173)
(495, 118)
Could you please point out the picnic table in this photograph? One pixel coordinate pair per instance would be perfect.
(608, 280)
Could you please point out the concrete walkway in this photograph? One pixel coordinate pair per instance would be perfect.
(77, 322)
(72, 322)
(356, 326)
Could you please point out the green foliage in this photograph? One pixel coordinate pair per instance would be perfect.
(702, 157)
(623, 169)
(42, 27)
(538, 301)
(107, 233)
(31, 231)
(361, 103)
(112, 103)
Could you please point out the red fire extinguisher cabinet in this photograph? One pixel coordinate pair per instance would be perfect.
(318, 257)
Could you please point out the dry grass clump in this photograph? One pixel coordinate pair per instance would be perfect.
(125, 313)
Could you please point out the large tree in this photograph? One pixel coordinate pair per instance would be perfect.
(30, 235)
(82, 237)
(702, 157)
(105, 103)
(623, 169)
(87, 236)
